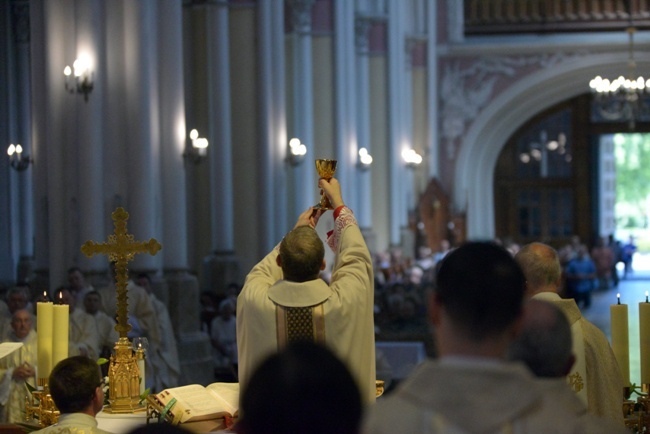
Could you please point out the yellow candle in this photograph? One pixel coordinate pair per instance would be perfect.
(44, 325)
(644, 339)
(60, 337)
(620, 338)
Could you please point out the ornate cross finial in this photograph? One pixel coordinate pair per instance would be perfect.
(121, 248)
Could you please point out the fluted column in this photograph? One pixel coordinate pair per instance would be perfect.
(24, 220)
(220, 127)
(364, 214)
(172, 135)
(221, 266)
(303, 178)
(397, 132)
(143, 139)
(272, 118)
(89, 211)
(345, 105)
(432, 89)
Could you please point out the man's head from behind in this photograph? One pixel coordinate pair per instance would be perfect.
(76, 387)
(544, 343)
(541, 266)
(301, 255)
(480, 289)
(303, 389)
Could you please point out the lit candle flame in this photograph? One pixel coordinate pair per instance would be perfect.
(646, 296)
(618, 296)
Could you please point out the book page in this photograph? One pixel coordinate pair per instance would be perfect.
(228, 393)
(195, 402)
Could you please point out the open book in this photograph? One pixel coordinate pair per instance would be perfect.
(195, 403)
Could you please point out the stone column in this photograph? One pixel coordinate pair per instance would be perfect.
(364, 211)
(303, 179)
(194, 349)
(345, 103)
(143, 140)
(22, 121)
(398, 139)
(89, 212)
(222, 265)
(272, 108)
(432, 85)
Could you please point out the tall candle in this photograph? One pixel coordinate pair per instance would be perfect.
(620, 338)
(61, 330)
(139, 356)
(644, 339)
(44, 325)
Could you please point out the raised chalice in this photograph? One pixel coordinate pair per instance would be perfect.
(326, 170)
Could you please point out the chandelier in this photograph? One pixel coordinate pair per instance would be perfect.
(622, 99)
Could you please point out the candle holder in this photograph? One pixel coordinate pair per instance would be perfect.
(40, 407)
(637, 413)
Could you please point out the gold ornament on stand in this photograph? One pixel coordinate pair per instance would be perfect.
(326, 170)
(123, 372)
(40, 406)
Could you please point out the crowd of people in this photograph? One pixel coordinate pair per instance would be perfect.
(510, 350)
(92, 334)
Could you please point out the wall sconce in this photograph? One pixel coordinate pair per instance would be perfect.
(297, 152)
(83, 77)
(199, 148)
(411, 158)
(18, 161)
(365, 159)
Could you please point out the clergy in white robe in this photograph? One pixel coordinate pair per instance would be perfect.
(18, 368)
(105, 325)
(83, 338)
(79, 404)
(596, 367)
(275, 299)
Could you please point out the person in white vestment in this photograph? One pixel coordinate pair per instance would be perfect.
(83, 337)
(596, 366)
(76, 386)
(544, 345)
(78, 285)
(164, 358)
(476, 311)
(106, 332)
(17, 299)
(284, 292)
(18, 368)
(223, 337)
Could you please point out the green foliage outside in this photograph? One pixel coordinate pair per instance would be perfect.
(632, 152)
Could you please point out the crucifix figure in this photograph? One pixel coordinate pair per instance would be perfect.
(123, 373)
(121, 248)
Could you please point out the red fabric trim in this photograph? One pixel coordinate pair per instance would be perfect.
(337, 211)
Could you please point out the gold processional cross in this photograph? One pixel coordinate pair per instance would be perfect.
(123, 373)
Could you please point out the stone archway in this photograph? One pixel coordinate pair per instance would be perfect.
(473, 183)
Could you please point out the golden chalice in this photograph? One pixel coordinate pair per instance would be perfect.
(326, 170)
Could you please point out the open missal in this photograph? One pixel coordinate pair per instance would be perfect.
(196, 403)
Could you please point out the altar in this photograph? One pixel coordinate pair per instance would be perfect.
(121, 422)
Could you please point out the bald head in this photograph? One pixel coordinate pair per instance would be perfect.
(541, 266)
(544, 343)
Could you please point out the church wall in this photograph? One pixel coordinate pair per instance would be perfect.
(420, 132)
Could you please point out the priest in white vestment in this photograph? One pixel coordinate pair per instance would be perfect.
(83, 337)
(18, 368)
(284, 291)
(164, 360)
(599, 379)
(105, 325)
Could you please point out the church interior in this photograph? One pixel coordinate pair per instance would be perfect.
(450, 121)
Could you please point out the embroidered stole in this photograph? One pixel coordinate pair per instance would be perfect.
(300, 324)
